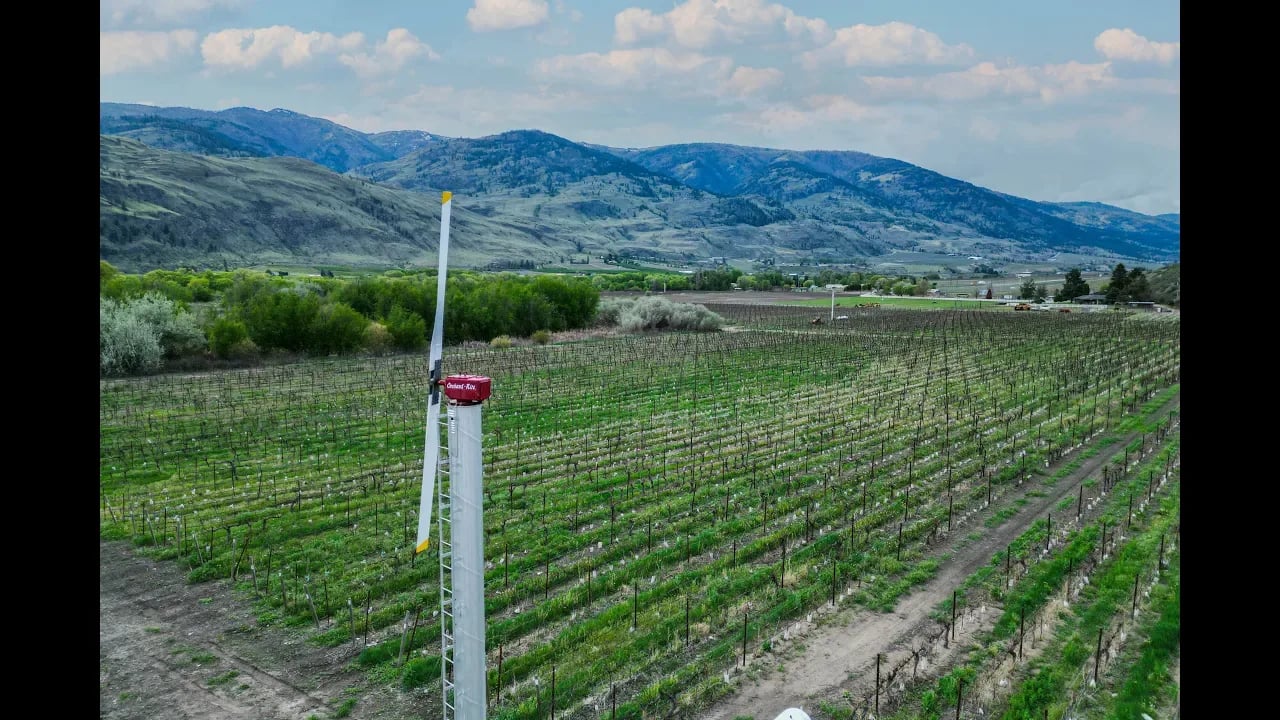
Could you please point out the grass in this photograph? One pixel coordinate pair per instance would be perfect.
(1000, 516)
(835, 711)
(345, 708)
(224, 678)
(1149, 676)
(204, 658)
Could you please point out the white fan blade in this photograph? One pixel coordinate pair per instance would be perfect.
(431, 458)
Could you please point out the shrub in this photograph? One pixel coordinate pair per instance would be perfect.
(377, 338)
(245, 349)
(657, 313)
(225, 333)
(611, 309)
(126, 343)
(179, 332)
(338, 328)
(500, 342)
(200, 289)
(135, 336)
(278, 319)
(408, 329)
(542, 337)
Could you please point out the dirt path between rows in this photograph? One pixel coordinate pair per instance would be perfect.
(172, 650)
(844, 649)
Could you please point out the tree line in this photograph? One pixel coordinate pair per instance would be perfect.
(1124, 286)
(147, 321)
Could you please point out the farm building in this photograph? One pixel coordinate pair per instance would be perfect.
(1092, 299)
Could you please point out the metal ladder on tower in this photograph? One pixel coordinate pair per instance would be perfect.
(446, 576)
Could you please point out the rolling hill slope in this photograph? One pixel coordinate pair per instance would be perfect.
(546, 195)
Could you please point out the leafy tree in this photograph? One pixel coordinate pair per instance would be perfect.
(1040, 294)
(1115, 290)
(1073, 286)
(106, 271)
(281, 320)
(225, 333)
(200, 290)
(1027, 291)
(336, 328)
(718, 279)
(1138, 288)
(922, 288)
(407, 328)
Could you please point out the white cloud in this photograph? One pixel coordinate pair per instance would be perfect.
(813, 111)
(1126, 44)
(388, 55)
(244, 49)
(490, 15)
(1133, 125)
(562, 9)
(639, 67)
(1049, 83)
(893, 43)
(121, 51)
(471, 112)
(160, 13)
(749, 80)
(839, 122)
(668, 72)
(698, 24)
(633, 24)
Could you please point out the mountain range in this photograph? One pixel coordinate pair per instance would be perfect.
(249, 187)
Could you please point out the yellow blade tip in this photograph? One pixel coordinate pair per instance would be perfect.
(423, 546)
(445, 197)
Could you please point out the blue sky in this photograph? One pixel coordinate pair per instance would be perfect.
(1059, 101)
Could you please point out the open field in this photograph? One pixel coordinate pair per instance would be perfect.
(654, 505)
(921, 303)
